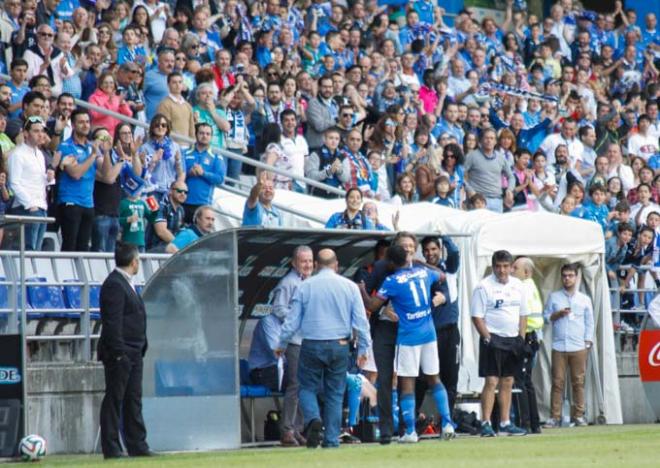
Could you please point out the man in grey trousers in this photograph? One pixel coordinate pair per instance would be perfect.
(302, 267)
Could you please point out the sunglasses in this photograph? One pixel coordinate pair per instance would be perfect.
(194, 46)
(347, 115)
(181, 191)
(160, 125)
(43, 34)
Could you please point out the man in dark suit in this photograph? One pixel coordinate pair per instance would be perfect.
(121, 348)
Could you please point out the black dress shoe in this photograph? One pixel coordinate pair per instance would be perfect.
(385, 439)
(114, 455)
(148, 453)
(313, 433)
(536, 430)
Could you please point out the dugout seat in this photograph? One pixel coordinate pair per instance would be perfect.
(251, 392)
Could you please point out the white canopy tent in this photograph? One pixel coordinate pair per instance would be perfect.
(550, 240)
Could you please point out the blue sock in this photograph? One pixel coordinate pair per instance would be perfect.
(442, 403)
(353, 405)
(408, 411)
(395, 411)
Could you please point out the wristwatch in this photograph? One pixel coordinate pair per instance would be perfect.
(486, 341)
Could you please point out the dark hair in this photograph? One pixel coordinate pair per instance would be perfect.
(430, 240)
(18, 62)
(35, 79)
(287, 112)
(397, 255)
(118, 130)
(65, 95)
(157, 118)
(570, 267)
(597, 188)
(79, 111)
(272, 133)
(456, 150)
(125, 254)
(502, 256)
(351, 190)
(625, 227)
(582, 132)
(622, 206)
(203, 124)
(173, 75)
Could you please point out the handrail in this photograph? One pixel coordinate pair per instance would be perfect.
(221, 152)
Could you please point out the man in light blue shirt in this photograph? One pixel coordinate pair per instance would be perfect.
(571, 314)
(259, 210)
(325, 310)
(155, 82)
(292, 419)
(204, 220)
(262, 360)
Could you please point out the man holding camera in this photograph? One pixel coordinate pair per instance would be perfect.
(571, 314)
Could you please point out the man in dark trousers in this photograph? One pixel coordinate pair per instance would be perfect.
(121, 348)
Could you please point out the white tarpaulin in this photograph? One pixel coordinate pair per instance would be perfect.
(550, 240)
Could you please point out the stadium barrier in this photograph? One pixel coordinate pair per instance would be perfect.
(628, 320)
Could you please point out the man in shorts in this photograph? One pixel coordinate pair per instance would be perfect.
(409, 290)
(499, 313)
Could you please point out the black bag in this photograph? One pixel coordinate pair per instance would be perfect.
(466, 423)
(272, 426)
(367, 428)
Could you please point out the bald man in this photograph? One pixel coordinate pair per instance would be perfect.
(325, 310)
(523, 269)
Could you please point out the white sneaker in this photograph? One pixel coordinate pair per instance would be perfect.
(409, 438)
(448, 432)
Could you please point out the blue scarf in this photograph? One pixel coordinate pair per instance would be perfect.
(327, 158)
(166, 146)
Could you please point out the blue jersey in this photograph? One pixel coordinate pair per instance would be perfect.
(409, 289)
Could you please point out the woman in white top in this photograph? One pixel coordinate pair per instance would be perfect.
(640, 211)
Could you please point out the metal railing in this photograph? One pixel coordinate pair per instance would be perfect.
(626, 331)
(221, 152)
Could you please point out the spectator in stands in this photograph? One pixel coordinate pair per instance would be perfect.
(6, 145)
(484, 171)
(643, 143)
(205, 111)
(302, 264)
(322, 114)
(204, 223)
(162, 158)
(571, 314)
(28, 180)
(499, 311)
(155, 82)
(352, 217)
(134, 214)
(259, 210)
(326, 311)
(325, 164)
(168, 220)
(238, 104)
(107, 194)
(80, 166)
(108, 97)
(406, 191)
(43, 58)
(618, 168)
(356, 165)
(523, 269)
(176, 109)
(206, 170)
(616, 249)
(565, 137)
(31, 106)
(18, 85)
(295, 151)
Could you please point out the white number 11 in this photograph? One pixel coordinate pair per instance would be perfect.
(422, 287)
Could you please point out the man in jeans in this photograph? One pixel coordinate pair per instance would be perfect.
(571, 314)
(325, 310)
(302, 268)
(76, 185)
(28, 180)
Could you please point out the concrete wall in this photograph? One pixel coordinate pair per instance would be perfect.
(63, 405)
(634, 404)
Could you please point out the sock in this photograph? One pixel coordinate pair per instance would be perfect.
(353, 405)
(505, 423)
(442, 403)
(395, 410)
(408, 411)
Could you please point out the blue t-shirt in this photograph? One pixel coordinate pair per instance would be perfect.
(184, 238)
(260, 216)
(17, 93)
(409, 289)
(200, 188)
(79, 192)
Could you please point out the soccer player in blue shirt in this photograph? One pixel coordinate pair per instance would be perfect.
(409, 290)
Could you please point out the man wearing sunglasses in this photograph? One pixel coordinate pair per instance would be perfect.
(168, 220)
(43, 58)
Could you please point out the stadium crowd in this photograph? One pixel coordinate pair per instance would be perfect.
(390, 101)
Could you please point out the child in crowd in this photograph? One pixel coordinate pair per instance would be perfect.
(639, 255)
(477, 202)
(621, 215)
(442, 189)
(134, 214)
(596, 209)
(616, 249)
(130, 51)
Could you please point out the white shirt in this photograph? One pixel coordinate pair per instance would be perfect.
(27, 177)
(550, 143)
(500, 305)
(638, 208)
(297, 150)
(127, 277)
(644, 146)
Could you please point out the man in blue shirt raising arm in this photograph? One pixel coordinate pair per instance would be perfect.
(409, 289)
(325, 310)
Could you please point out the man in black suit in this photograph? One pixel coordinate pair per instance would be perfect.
(121, 348)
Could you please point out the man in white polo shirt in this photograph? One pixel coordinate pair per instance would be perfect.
(499, 312)
(295, 148)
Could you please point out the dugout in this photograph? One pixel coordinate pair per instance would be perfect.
(196, 304)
